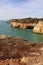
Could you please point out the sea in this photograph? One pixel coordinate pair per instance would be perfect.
(26, 34)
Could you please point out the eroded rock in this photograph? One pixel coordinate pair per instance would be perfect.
(39, 27)
(17, 51)
(22, 23)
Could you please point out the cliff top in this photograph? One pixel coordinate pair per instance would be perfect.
(26, 20)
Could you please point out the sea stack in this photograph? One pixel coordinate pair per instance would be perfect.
(39, 27)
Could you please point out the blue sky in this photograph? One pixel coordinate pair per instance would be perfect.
(21, 8)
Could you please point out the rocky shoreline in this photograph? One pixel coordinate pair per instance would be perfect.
(25, 23)
(28, 23)
(17, 51)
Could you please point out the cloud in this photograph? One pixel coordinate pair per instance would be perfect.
(19, 9)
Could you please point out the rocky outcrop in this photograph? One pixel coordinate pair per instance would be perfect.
(27, 23)
(39, 27)
(22, 23)
(17, 51)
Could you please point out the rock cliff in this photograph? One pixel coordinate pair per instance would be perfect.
(23, 23)
(17, 51)
(39, 27)
(28, 23)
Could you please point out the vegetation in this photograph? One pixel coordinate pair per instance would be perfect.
(27, 20)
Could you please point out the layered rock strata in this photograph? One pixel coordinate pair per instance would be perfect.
(16, 51)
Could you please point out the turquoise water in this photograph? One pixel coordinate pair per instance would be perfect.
(5, 29)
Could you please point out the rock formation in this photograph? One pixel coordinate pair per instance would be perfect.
(28, 23)
(39, 27)
(22, 23)
(17, 51)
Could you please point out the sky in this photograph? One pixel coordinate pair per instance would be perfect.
(13, 9)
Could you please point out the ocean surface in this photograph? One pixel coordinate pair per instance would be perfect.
(27, 34)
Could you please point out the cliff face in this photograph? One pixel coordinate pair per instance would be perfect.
(28, 23)
(16, 51)
(22, 23)
(39, 27)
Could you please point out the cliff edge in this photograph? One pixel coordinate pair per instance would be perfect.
(26, 23)
(17, 51)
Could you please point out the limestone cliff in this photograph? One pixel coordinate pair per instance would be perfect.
(39, 27)
(28, 23)
(22, 23)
